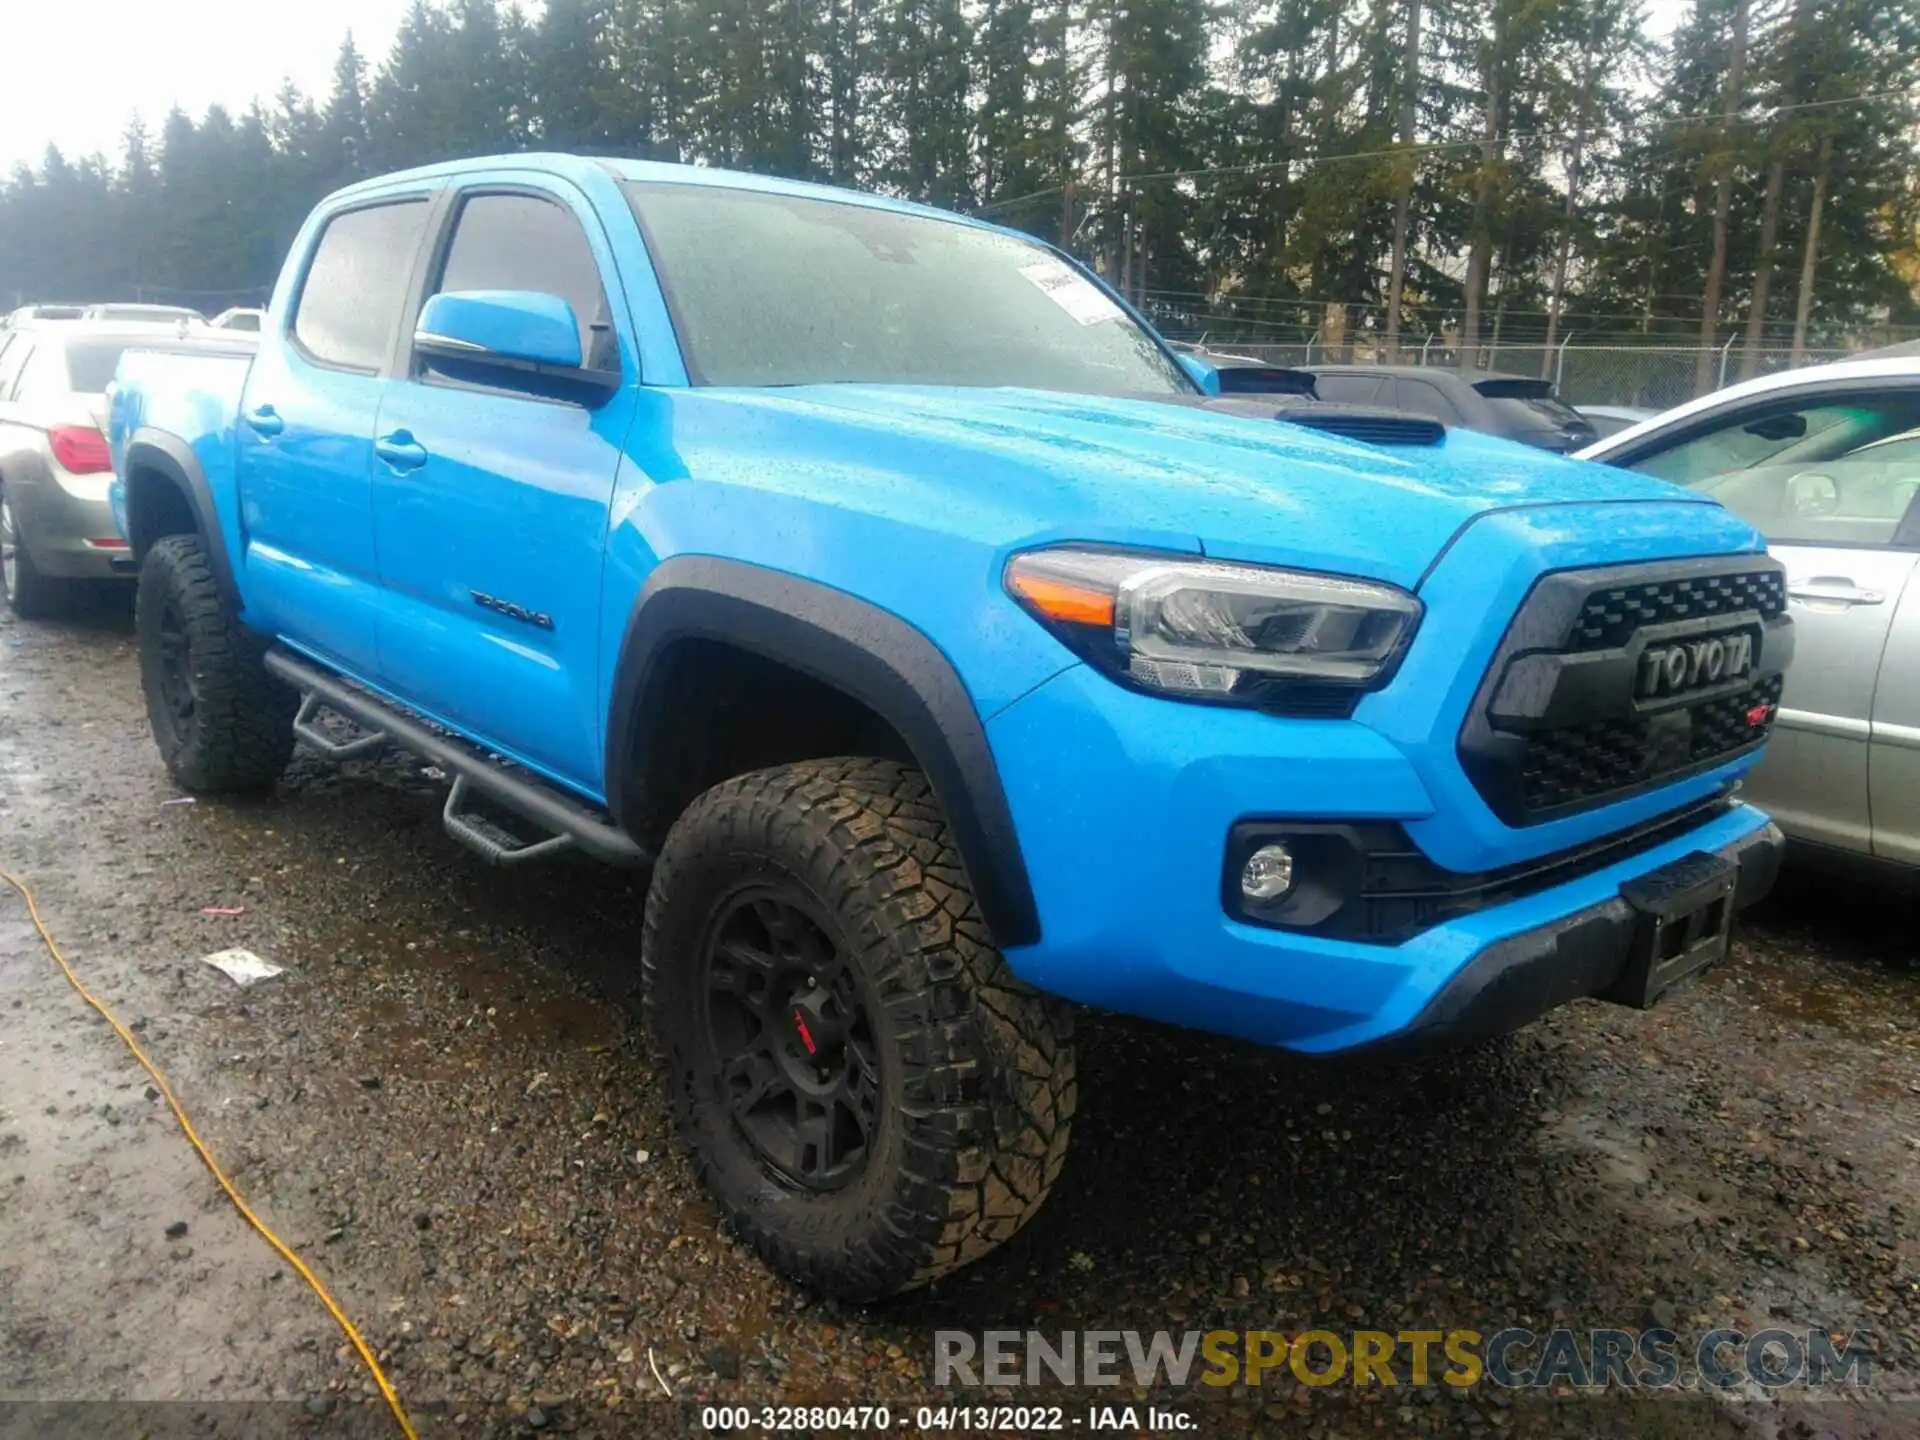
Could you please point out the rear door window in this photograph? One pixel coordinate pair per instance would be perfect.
(356, 283)
(1423, 397)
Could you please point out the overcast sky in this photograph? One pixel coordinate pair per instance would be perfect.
(78, 70)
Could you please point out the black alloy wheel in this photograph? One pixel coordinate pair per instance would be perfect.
(174, 675)
(792, 1039)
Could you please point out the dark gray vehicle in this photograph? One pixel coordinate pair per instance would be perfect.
(1239, 385)
(1517, 407)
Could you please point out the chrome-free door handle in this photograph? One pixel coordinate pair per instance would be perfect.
(265, 421)
(400, 450)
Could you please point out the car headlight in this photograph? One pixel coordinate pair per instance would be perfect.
(1210, 630)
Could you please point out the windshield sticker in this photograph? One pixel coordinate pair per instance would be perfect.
(1075, 294)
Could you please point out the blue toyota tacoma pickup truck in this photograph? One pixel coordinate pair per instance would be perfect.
(951, 653)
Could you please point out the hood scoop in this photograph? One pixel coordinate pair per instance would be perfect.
(1352, 422)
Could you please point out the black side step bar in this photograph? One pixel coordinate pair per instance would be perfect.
(570, 821)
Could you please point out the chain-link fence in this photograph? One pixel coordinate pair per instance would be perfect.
(1651, 377)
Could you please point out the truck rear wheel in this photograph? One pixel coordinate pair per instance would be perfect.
(870, 1095)
(221, 721)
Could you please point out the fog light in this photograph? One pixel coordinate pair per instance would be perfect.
(1268, 874)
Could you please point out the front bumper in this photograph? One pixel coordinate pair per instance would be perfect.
(57, 527)
(1515, 981)
(1124, 804)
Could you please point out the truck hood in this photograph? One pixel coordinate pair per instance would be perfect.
(1071, 466)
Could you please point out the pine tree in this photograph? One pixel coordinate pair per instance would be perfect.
(1287, 166)
(571, 75)
(410, 98)
(343, 137)
(918, 120)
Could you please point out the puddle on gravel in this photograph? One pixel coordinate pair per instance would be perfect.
(517, 1003)
(1860, 1003)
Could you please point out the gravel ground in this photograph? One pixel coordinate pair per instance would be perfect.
(443, 1105)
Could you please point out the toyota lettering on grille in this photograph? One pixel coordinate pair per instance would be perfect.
(1693, 664)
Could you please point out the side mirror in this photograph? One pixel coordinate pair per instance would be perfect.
(521, 325)
(1779, 427)
(1204, 375)
(518, 339)
(1812, 494)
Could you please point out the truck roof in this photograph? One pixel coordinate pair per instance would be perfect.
(581, 167)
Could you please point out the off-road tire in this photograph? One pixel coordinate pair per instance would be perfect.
(238, 735)
(977, 1070)
(32, 595)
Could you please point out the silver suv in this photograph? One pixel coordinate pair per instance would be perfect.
(55, 528)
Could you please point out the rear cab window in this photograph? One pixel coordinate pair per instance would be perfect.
(91, 365)
(355, 283)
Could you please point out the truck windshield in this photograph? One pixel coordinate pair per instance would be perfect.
(770, 289)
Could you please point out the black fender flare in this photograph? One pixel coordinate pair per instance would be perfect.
(872, 656)
(171, 459)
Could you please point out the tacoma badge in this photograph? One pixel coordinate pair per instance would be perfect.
(511, 610)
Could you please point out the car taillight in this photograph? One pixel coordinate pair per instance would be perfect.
(80, 449)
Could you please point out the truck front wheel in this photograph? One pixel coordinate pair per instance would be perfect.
(221, 721)
(868, 1092)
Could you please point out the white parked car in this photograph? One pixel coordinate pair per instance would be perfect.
(239, 318)
(131, 313)
(1826, 463)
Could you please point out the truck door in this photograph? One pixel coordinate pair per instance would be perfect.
(304, 450)
(490, 505)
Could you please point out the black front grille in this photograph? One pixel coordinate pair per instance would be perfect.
(1612, 615)
(1580, 762)
(1566, 719)
(1729, 723)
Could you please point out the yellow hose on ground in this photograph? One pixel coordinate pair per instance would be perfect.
(281, 1248)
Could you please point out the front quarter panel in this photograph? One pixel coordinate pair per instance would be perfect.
(894, 525)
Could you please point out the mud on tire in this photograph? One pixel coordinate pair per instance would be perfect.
(221, 721)
(969, 1074)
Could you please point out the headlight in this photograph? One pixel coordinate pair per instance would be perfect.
(1208, 630)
